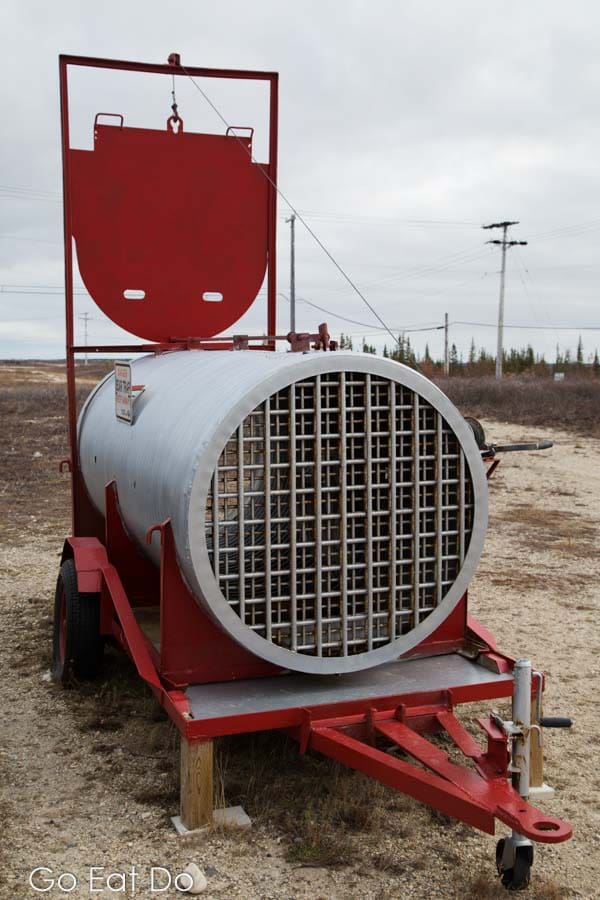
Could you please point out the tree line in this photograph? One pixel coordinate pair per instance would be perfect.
(480, 362)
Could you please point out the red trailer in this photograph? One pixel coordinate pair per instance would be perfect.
(277, 540)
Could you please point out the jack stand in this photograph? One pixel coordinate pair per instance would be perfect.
(514, 854)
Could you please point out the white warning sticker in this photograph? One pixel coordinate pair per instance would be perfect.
(123, 393)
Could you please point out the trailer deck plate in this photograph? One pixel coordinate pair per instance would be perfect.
(405, 677)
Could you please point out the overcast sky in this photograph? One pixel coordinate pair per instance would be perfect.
(404, 126)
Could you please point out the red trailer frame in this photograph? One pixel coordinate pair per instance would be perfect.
(188, 662)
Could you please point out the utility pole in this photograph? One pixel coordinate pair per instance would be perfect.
(504, 243)
(446, 359)
(292, 221)
(85, 316)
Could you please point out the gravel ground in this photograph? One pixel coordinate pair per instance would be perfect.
(89, 777)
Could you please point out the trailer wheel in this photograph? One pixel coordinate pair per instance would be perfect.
(77, 644)
(517, 877)
(477, 429)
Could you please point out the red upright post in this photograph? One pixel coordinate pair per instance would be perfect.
(272, 235)
(69, 316)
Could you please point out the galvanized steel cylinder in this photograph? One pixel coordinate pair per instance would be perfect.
(328, 509)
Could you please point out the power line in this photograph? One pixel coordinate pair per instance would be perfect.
(34, 289)
(532, 327)
(354, 219)
(29, 193)
(293, 209)
(447, 262)
(18, 237)
(55, 291)
(330, 312)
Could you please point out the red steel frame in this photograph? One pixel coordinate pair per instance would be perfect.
(193, 650)
(79, 501)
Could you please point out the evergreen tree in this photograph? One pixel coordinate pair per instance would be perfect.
(579, 356)
(472, 352)
(529, 357)
(453, 359)
(559, 357)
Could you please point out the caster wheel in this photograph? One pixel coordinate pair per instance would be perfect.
(77, 644)
(517, 877)
(499, 854)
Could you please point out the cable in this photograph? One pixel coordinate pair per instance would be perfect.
(521, 263)
(31, 289)
(532, 327)
(31, 319)
(16, 237)
(27, 194)
(294, 210)
(463, 256)
(355, 321)
(351, 218)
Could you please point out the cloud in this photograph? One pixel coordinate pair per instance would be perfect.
(459, 113)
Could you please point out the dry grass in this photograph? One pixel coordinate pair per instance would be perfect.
(323, 814)
(483, 889)
(33, 439)
(573, 403)
(326, 814)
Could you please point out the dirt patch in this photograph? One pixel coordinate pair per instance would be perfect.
(90, 775)
(562, 531)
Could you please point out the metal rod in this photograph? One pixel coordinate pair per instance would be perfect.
(272, 207)
(241, 525)
(164, 69)
(267, 480)
(293, 500)
(416, 508)
(69, 313)
(439, 511)
(461, 507)
(369, 490)
(215, 511)
(318, 522)
(521, 716)
(393, 509)
(343, 514)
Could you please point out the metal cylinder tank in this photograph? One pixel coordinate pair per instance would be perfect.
(328, 509)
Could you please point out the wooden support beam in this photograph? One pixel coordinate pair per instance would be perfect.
(196, 783)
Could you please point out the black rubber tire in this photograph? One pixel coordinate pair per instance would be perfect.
(517, 878)
(478, 432)
(500, 854)
(77, 644)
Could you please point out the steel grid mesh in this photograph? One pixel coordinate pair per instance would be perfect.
(341, 512)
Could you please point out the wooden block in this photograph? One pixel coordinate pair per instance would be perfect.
(196, 783)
